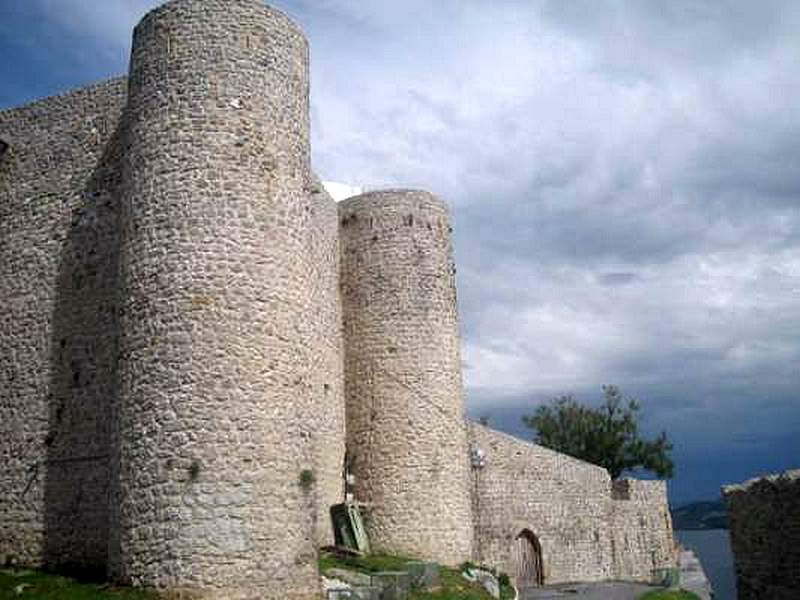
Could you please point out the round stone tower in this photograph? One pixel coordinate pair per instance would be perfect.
(405, 429)
(215, 480)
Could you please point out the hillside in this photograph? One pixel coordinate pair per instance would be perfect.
(700, 515)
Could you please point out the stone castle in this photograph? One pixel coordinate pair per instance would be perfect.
(195, 339)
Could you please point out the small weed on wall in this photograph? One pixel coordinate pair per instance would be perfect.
(307, 479)
(194, 470)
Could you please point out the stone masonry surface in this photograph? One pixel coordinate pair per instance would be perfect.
(194, 335)
(403, 375)
(216, 288)
(589, 528)
(641, 529)
(326, 417)
(58, 288)
(561, 500)
(764, 523)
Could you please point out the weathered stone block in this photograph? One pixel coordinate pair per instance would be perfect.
(350, 577)
(395, 585)
(362, 592)
(423, 574)
(357, 592)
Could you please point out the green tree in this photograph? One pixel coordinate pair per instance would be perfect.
(607, 436)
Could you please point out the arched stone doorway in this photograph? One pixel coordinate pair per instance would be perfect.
(527, 560)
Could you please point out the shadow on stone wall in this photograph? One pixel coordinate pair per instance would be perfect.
(83, 382)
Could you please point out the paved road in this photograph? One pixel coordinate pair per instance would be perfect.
(587, 591)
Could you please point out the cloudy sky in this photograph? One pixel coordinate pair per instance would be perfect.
(624, 177)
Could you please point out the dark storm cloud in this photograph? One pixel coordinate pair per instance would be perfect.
(624, 183)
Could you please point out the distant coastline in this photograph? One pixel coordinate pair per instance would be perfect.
(700, 516)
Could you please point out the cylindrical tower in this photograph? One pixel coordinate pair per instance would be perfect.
(215, 481)
(405, 428)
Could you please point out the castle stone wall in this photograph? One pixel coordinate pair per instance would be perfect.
(403, 375)
(327, 417)
(559, 499)
(58, 337)
(589, 528)
(216, 282)
(764, 523)
(641, 529)
(192, 333)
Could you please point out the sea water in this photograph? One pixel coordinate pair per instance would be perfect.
(713, 548)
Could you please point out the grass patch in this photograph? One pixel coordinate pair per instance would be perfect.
(669, 595)
(370, 563)
(452, 586)
(19, 584)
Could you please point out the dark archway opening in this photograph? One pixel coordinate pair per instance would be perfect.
(527, 560)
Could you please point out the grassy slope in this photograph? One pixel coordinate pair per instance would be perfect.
(34, 585)
(452, 585)
(22, 585)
